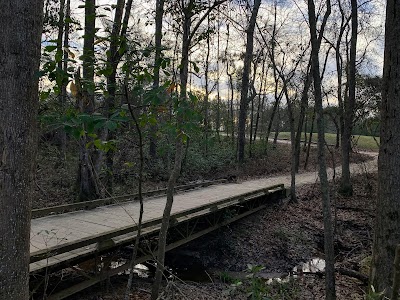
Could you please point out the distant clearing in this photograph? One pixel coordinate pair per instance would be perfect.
(362, 142)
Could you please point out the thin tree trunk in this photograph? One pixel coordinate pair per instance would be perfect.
(116, 51)
(230, 88)
(252, 111)
(206, 96)
(305, 133)
(87, 177)
(112, 64)
(244, 101)
(218, 87)
(20, 33)
(261, 100)
(277, 127)
(157, 62)
(330, 292)
(188, 33)
(140, 193)
(292, 146)
(346, 187)
(309, 140)
(162, 239)
(303, 107)
(232, 108)
(63, 95)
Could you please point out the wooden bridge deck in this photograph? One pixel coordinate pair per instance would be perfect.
(65, 236)
(60, 240)
(61, 231)
(48, 234)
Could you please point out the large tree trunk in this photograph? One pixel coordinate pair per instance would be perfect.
(244, 101)
(346, 187)
(330, 293)
(387, 221)
(20, 32)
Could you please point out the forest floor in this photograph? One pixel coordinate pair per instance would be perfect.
(242, 258)
(56, 184)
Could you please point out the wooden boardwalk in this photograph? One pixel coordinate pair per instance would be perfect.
(61, 239)
(54, 231)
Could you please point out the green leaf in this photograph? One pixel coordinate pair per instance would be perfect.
(110, 125)
(50, 48)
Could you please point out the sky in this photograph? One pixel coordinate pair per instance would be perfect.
(292, 35)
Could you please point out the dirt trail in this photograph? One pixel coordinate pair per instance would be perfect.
(369, 166)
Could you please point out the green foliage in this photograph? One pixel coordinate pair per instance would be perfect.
(257, 288)
(225, 277)
(374, 295)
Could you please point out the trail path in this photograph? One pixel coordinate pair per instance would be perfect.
(55, 230)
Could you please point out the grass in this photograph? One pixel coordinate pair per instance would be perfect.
(362, 141)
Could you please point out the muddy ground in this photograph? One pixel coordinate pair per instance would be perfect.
(276, 239)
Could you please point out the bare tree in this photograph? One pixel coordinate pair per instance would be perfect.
(60, 64)
(330, 292)
(117, 49)
(87, 176)
(244, 95)
(157, 63)
(188, 12)
(346, 187)
(20, 33)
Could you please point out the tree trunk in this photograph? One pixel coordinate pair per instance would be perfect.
(111, 80)
(309, 140)
(252, 98)
(387, 221)
(346, 187)
(330, 293)
(206, 96)
(132, 263)
(188, 33)
(87, 175)
(157, 61)
(244, 101)
(303, 107)
(277, 127)
(20, 33)
(292, 146)
(62, 26)
(261, 99)
(218, 87)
